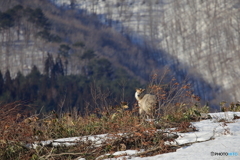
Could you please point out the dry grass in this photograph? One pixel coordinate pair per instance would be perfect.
(176, 109)
(18, 130)
(233, 107)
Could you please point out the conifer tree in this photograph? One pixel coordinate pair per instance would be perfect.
(8, 81)
(58, 66)
(48, 66)
(1, 83)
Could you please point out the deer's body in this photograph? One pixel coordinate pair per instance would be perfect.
(146, 102)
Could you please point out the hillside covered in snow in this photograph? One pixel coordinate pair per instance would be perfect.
(200, 38)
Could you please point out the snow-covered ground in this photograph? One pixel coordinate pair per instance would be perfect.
(213, 140)
(225, 144)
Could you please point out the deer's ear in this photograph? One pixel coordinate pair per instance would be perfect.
(143, 90)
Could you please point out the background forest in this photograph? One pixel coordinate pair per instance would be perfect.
(139, 41)
(96, 83)
(55, 91)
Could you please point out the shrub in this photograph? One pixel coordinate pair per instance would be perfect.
(177, 102)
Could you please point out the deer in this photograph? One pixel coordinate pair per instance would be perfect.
(146, 102)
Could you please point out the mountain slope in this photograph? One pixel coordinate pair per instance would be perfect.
(190, 38)
(201, 38)
(71, 35)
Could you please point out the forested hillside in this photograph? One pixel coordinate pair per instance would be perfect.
(200, 38)
(56, 58)
(37, 28)
(138, 41)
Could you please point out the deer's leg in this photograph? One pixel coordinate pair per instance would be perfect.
(140, 111)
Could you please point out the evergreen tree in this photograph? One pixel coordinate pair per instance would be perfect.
(1, 83)
(38, 18)
(17, 13)
(9, 87)
(35, 73)
(34, 78)
(101, 68)
(17, 82)
(8, 81)
(89, 54)
(48, 66)
(47, 36)
(6, 21)
(58, 67)
(64, 50)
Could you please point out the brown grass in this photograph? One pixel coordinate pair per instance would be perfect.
(17, 130)
(18, 127)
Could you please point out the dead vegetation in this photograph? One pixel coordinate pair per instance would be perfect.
(22, 132)
(18, 131)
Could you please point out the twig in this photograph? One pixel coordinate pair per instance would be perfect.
(172, 146)
(62, 154)
(148, 151)
(49, 155)
(190, 143)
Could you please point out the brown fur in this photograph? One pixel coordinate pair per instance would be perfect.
(146, 102)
